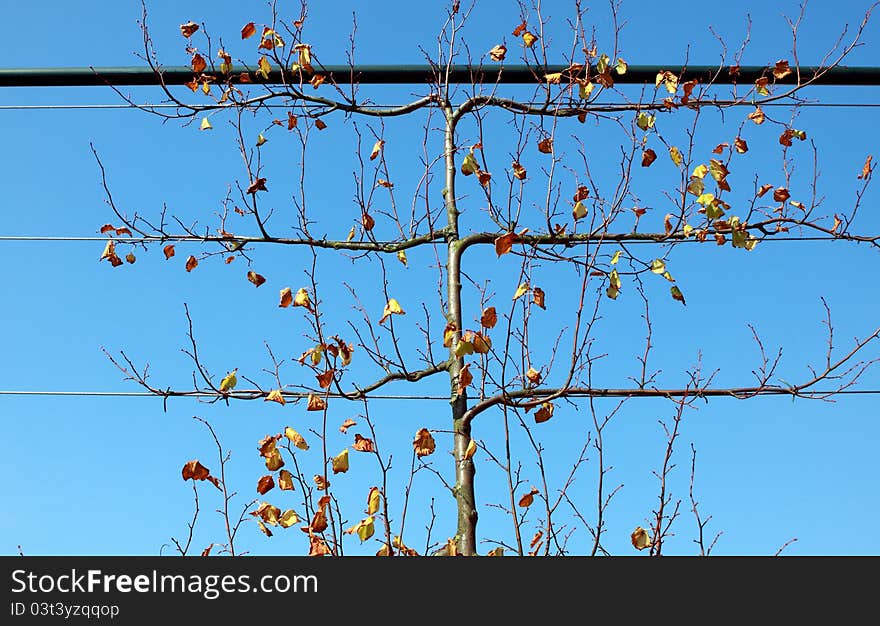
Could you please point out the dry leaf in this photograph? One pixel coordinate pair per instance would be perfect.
(544, 413)
(392, 308)
(255, 278)
(488, 319)
(191, 263)
(285, 480)
(340, 462)
(534, 376)
(496, 54)
(538, 297)
(266, 483)
(275, 396)
(286, 298)
(471, 450)
(168, 250)
(423, 443)
(640, 538)
(193, 470)
(546, 145)
(296, 438)
(465, 378)
(321, 483)
(248, 30)
(373, 500)
(188, 29)
(519, 172)
(527, 499)
(362, 444)
(346, 425)
(504, 243)
(316, 403)
(521, 290)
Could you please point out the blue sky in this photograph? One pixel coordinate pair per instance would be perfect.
(95, 475)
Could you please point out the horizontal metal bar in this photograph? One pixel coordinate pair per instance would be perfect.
(418, 74)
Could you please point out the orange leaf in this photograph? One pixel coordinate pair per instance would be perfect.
(519, 30)
(866, 169)
(248, 30)
(534, 376)
(266, 483)
(385, 183)
(504, 243)
(367, 221)
(274, 461)
(489, 318)
(255, 278)
(640, 538)
(519, 172)
(291, 121)
(325, 379)
(320, 125)
(317, 80)
(377, 148)
(527, 499)
(781, 70)
(285, 480)
(191, 263)
(741, 146)
(362, 444)
(764, 189)
(321, 483)
(582, 193)
(423, 443)
(392, 308)
(781, 194)
(317, 546)
(546, 145)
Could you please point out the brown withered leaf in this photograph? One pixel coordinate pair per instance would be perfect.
(188, 30)
(264, 528)
(317, 80)
(193, 470)
(286, 298)
(465, 378)
(781, 70)
(317, 546)
(424, 443)
(248, 30)
(504, 243)
(267, 513)
(545, 145)
(757, 116)
(267, 445)
(866, 169)
(499, 551)
(498, 52)
(320, 124)
(130, 257)
(168, 250)
(275, 396)
(720, 148)
(484, 177)
(582, 193)
(489, 318)
(741, 146)
(346, 425)
(367, 221)
(207, 551)
(391, 308)
(481, 343)
(764, 189)
(781, 194)
(519, 30)
(255, 278)
(519, 172)
(106, 228)
(321, 482)
(527, 499)
(257, 185)
(648, 157)
(377, 148)
(326, 378)
(198, 63)
(538, 297)
(285, 480)
(362, 444)
(544, 413)
(316, 403)
(266, 483)
(296, 438)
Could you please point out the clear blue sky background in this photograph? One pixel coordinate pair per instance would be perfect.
(102, 475)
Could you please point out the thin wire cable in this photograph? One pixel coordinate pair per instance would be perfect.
(211, 239)
(52, 107)
(198, 394)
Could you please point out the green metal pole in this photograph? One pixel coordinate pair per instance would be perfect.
(417, 74)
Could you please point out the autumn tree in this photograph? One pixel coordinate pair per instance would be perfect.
(509, 246)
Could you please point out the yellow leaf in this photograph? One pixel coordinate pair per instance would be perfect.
(229, 382)
(521, 290)
(621, 67)
(529, 39)
(392, 308)
(615, 258)
(658, 266)
(275, 396)
(296, 438)
(364, 528)
(302, 299)
(401, 256)
(700, 171)
(463, 348)
(677, 295)
(471, 450)
(373, 501)
(261, 139)
(579, 211)
(675, 155)
(469, 165)
(274, 461)
(288, 519)
(640, 538)
(340, 462)
(205, 125)
(264, 68)
(499, 551)
(285, 480)
(585, 88)
(534, 376)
